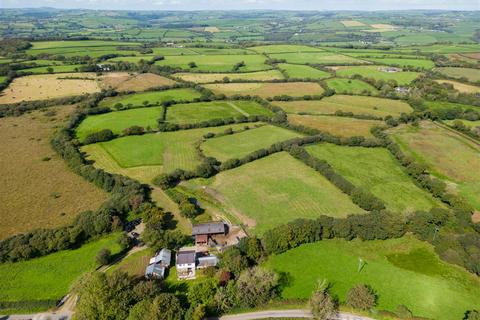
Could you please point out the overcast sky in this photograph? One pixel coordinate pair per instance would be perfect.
(247, 4)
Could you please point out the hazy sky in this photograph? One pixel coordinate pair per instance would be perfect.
(247, 4)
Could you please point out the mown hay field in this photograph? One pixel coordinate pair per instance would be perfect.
(151, 97)
(123, 81)
(298, 71)
(375, 170)
(462, 87)
(240, 144)
(216, 63)
(360, 105)
(338, 126)
(202, 111)
(456, 72)
(38, 190)
(352, 23)
(265, 90)
(171, 150)
(285, 189)
(401, 271)
(324, 58)
(50, 277)
(213, 77)
(350, 86)
(48, 86)
(376, 72)
(448, 155)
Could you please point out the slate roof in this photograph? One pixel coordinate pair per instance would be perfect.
(186, 257)
(208, 228)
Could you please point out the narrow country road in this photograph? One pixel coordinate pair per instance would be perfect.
(293, 313)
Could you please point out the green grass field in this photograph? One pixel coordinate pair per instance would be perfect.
(216, 63)
(418, 63)
(379, 107)
(51, 276)
(267, 75)
(76, 44)
(468, 123)
(298, 71)
(375, 170)
(152, 97)
(281, 48)
(402, 77)
(324, 57)
(472, 75)
(119, 120)
(448, 155)
(201, 111)
(401, 271)
(56, 69)
(285, 189)
(171, 150)
(350, 86)
(240, 144)
(447, 105)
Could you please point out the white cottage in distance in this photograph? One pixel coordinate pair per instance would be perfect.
(186, 264)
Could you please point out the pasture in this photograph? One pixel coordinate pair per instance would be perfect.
(401, 271)
(266, 90)
(375, 170)
(171, 150)
(444, 105)
(298, 71)
(29, 166)
(282, 48)
(468, 123)
(238, 145)
(216, 63)
(151, 97)
(352, 23)
(350, 86)
(324, 58)
(50, 277)
(417, 63)
(219, 77)
(49, 86)
(472, 75)
(461, 87)
(428, 144)
(359, 105)
(201, 111)
(36, 45)
(378, 73)
(285, 189)
(337, 126)
(56, 69)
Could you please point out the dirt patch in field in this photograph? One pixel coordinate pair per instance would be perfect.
(475, 56)
(49, 86)
(476, 217)
(123, 81)
(38, 192)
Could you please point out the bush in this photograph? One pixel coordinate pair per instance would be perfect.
(104, 135)
(322, 305)
(103, 256)
(134, 130)
(361, 297)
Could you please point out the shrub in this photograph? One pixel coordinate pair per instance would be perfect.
(103, 256)
(361, 297)
(322, 305)
(103, 135)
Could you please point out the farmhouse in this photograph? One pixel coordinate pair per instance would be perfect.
(158, 264)
(209, 233)
(389, 69)
(186, 260)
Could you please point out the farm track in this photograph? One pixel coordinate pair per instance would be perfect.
(294, 313)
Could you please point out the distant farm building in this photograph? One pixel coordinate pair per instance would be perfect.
(158, 264)
(389, 69)
(211, 233)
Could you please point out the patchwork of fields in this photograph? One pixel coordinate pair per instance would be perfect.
(378, 73)
(265, 90)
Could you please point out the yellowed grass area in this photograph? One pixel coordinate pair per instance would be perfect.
(265, 90)
(339, 126)
(212, 77)
(475, 56)
(462, 87)
(123, 81)
(48, 86)
(35, 193)
(104, 161)
(382, 26)
(352, 23)
(211, 29)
